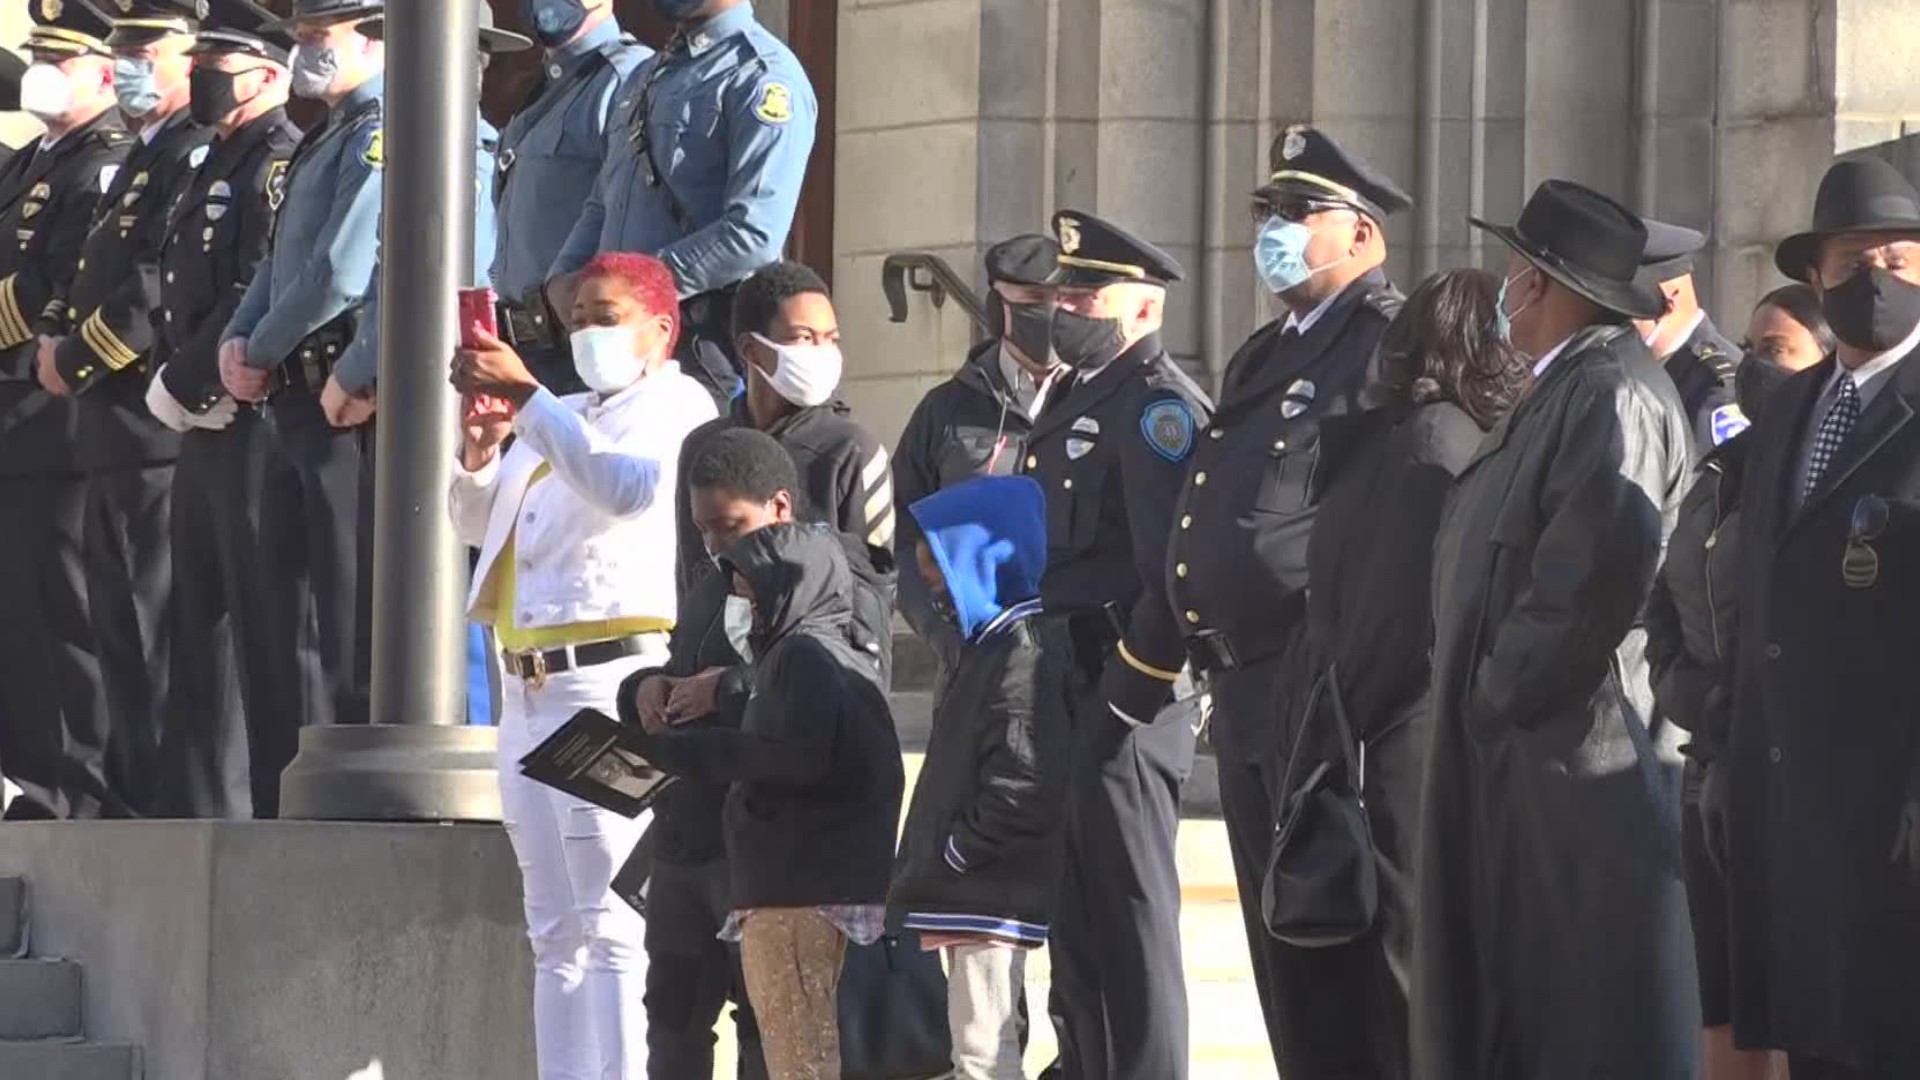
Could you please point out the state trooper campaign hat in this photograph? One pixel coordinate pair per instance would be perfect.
(1857, 195)
(328, 11)
(1309, 164)
(1095, 253)
(68, 27)
(142, 21)
(241, 26)
(492, 39)
(1587, 242)
(1670, 251)
(1027, 259)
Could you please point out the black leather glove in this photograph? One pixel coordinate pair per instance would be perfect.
(1906, 841)
(1714, 814)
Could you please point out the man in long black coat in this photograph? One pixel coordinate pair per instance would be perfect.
(1819, 793)
(1551, 933)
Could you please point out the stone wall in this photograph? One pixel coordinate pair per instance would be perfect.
(964, 121)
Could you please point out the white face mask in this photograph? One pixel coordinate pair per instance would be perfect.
(603, 355)
(738, 620)
(45, 92)
(806, 375)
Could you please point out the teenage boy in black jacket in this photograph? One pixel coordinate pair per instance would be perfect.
(979, 864)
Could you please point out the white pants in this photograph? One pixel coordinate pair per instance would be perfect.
(589, 955)
(983, 1010)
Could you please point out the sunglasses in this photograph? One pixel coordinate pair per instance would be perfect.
(1293, 210)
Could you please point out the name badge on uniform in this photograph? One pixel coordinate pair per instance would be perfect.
(1087, 425)
(1297, 398)
(219, 197)
(1078, 448)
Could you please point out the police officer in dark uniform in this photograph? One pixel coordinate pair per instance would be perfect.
(223, 690)
(95, 341)
(550, 153)
(1109, 448)
(1699, 359)
(707, 148)
(297, 317)
(1237, 566)
(53, 708)
(976, 423)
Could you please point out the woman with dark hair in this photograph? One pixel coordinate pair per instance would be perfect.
(1690, 645)
(1443, 377)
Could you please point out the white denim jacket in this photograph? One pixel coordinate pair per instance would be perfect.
(595, 539)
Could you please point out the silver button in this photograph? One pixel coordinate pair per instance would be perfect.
(1193, 616)
(169, 277)
(1200, 479)
(1774, 755)
(1067, 483)
(553, 71)
(1279, 444)
(1216, 433)
(1773, 652)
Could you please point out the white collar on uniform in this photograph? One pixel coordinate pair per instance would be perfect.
(1300, 325)
(1540, 368)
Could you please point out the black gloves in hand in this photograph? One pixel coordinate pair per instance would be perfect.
(1714, 799)
(1906, 840)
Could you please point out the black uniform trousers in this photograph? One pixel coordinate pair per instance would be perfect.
(222, 685)
(54, 724)
(317, 597)
(692, 974)
(129, 576)
(1119, 996)
(1335, 1013)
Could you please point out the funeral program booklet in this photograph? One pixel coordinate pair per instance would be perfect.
(593, 757)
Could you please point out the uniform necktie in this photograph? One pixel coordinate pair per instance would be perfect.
(1833, 433)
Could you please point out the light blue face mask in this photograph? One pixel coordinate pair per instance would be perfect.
(133, 85)
(1503, 322)
(1280, 255)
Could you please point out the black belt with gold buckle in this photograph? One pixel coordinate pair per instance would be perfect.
(535, 666)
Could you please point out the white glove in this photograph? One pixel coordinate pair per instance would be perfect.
(164, 408)
(218, 418)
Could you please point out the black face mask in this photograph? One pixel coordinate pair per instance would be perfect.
(1083, 342)
(677, 10)
(1873, 309)
(1754, 381)
(211, 95)
(554, 22)
(1031, 331)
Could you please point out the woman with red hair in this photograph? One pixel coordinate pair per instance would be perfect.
(575, 526)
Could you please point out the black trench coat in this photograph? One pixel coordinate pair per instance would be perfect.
(1551, 934)
(1826, 738)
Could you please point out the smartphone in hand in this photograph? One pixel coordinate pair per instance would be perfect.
(477, 308)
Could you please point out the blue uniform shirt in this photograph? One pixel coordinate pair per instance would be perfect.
(326, 237)
(731, 123)
(551, 151)
(359, 366)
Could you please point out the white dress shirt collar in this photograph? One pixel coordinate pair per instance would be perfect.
(1299, 325)
(1540, 367)
(1867, 378)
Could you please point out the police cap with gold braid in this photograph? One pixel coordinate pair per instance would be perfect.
(1095, 253)
(68, 27)
(1307, 163)
(141, 22)
(240, 26)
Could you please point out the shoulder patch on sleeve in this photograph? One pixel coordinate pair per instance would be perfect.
(1168, 427)
(375, 153)
(774, 103)
(1728, 421)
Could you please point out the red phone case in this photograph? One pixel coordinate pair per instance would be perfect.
(477, 307)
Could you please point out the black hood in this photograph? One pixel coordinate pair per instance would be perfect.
(800, 581)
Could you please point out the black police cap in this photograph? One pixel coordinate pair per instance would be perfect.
(144, 21)
(1306, 161)
(1670, 251)
(69, 27)
(1027, 259)
(241, 26)
(1095, 253)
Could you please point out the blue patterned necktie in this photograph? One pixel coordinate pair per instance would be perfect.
(1833, 433)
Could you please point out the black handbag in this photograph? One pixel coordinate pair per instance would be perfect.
(1322, 886)
(893, 1012)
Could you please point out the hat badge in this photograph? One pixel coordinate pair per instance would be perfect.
(1294, 144)
(1069, 235)
(126, 6)
(51, 9)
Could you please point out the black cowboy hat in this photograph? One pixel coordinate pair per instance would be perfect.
(1857, 195)
(1587, 242)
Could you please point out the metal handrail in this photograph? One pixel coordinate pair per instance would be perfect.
(926, 272)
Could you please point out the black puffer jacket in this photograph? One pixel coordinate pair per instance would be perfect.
(815, 765)
(1691, 611)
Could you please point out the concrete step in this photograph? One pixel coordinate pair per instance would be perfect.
(39, 999)
(13, 917)
(49, 1060)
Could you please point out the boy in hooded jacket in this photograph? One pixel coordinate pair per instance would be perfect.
(979, 863)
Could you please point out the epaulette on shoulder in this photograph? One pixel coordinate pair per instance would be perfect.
(1386, 300)
(111, 136)
(1717, 360)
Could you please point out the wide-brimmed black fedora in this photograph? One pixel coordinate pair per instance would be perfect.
(1857, 195)
(1587, 242)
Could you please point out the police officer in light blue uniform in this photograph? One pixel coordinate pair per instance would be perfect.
(296, 319)
(550, 153)
(707, 147)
